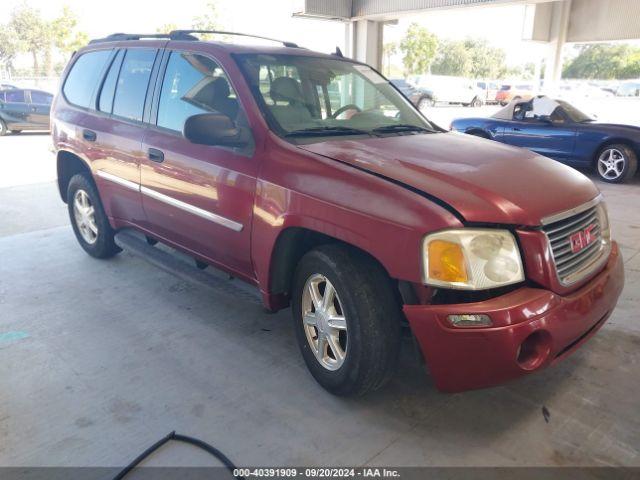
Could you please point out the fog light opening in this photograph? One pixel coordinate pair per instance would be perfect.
(470, 320)
(534, 350)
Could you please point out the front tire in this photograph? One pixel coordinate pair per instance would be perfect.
(347, 320)
(3, 128)
(88, 219)
(616, 163)
(476, 102)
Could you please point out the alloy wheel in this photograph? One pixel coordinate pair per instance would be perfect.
(84, 214)
(324, 322)
(611, 164)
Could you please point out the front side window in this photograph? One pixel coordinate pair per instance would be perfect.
(131, 88)
(41, 97)
(302, 95)
(83, 78)
(194, 84)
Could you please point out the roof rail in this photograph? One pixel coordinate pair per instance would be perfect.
(118, 37)
(181, 34)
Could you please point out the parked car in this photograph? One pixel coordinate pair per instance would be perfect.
(366, 219)
(510, 92)
(451, 89)
(558, 130)
(7, 86)
(419, 96)
(489, 90)
(628, 89)
(24, 110)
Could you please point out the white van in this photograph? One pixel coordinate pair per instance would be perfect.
(451, 89)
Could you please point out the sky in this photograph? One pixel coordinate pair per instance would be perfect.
(500, 25)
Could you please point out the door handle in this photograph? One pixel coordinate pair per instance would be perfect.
(89, 135)
(516, 129)
(155, 155)
(34, 109)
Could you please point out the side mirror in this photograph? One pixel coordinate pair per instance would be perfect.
(214, 129)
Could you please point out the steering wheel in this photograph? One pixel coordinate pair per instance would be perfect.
(344, 108)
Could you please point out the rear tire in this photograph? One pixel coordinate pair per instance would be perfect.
(616, 163)
(476, 102)
(425, 102)
(3, 128)
(362, 317)
(88, 219)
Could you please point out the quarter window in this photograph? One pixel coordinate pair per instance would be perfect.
(131, 89)
(194, 84)
(83, 77)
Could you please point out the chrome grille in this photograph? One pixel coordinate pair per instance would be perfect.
(572, 264)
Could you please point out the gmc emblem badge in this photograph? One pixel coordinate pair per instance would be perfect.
(582, 239)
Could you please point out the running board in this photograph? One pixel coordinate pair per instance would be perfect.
(169, 260)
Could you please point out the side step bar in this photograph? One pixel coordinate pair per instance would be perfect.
(136, 243)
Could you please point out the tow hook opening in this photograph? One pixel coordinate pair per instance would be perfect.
(534, 350)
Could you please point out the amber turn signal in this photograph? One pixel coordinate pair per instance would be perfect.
(446, 262)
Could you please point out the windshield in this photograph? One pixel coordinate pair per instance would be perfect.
(303, 96)
(573, 113)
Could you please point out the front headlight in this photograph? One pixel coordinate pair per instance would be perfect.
(471, 259)
(603, 217)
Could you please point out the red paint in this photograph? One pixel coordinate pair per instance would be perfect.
(462, 359)
(316, 187)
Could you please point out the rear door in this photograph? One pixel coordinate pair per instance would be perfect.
(40, 108)
(15, 109)
(197, 196)
(117, 134)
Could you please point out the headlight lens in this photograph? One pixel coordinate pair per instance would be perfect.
(471, 259)
(603, 217)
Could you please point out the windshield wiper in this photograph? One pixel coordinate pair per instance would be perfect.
(401, 127)
(326, 131)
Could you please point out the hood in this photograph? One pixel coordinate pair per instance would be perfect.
(484, 181)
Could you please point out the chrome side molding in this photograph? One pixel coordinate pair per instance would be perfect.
(161, 197)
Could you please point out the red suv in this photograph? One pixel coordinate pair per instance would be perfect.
(350, 207)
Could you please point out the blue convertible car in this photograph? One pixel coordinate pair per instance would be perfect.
(558, 130)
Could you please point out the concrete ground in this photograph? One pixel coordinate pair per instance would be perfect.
(98, 359)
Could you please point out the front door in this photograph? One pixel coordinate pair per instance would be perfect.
(40, 109)
(197, 196)
(550, 135)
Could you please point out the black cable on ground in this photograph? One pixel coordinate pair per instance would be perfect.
(179, 438)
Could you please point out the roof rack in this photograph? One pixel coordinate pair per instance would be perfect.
(118, 37)
(182, 33)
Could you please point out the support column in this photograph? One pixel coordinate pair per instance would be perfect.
(557, 39)
(365, 42)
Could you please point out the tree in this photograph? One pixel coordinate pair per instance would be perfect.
(453, 59)
(469, 58)
(388, 50)
(209, 20)
(8, 47)
(31, 31)
(419, 47)
(166, 28)
(604, 61)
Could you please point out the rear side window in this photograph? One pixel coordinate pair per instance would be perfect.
(194, 84)
(83, 77)
(131, 89)
(15, 96)
(109, 86)
(41, 97)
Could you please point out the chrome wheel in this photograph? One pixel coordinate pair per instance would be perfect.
(611, 164)
(324, 322)
(84, 214)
